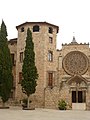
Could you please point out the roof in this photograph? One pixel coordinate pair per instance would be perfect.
(12, 41)
(38, 23)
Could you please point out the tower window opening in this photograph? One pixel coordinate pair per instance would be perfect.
(50, 56)
(22, 29)
(50, 79)
(50, 30)
(36, 28)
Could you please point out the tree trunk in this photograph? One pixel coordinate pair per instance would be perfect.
(28, 102)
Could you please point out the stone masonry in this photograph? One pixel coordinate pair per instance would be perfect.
(60, 76)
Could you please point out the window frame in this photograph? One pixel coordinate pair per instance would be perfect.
(50, 78)
(50, 30)
(20, 77)
(50, 56)
(21, 57)
(36, 28)
(22, 29)
(51, 40)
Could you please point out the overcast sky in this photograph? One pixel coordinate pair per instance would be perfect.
(70, 15)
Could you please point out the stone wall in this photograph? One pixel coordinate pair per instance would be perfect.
(41, 46)
(46, 96)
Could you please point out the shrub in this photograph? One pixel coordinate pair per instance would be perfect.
(62, 104)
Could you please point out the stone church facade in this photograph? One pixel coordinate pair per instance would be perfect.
(63, 74)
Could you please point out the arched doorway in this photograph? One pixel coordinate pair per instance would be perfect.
(78, 89)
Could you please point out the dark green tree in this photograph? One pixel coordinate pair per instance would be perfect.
(6, 79)
(29, 70)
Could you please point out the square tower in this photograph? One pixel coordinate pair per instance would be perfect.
(44, 37)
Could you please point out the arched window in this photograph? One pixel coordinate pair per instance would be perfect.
(22, 29)
(50, 30)
(36, 28)
(50, 56)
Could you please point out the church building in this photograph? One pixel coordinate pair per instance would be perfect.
(63, 74)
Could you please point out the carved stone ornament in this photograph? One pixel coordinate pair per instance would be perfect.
(75, 62)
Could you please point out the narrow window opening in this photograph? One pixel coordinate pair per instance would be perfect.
(50, 79)
(12, 57)
(21, 57)
(36, 28)
(22, 29)
(50, 56)
(20, 77)
(50, 30)
(50, 40)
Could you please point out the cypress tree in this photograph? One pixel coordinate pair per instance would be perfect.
(6, 80)
(29, 70)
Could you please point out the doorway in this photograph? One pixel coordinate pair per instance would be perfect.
(79, 100)
(78, 96)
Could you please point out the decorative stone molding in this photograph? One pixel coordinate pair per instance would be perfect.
(75, 63)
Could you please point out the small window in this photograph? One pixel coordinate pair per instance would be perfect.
(20, 77)
(12, 57)
(50, 40)
(50, 30)
(50, 79)
(21, 57)
(13, 86)
(36, 28)
(22, 29)
(50, 56)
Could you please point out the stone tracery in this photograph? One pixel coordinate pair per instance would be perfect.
(75, 62)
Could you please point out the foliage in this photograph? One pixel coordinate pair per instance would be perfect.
(62, 104)
(29, 70)
(6, 80)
